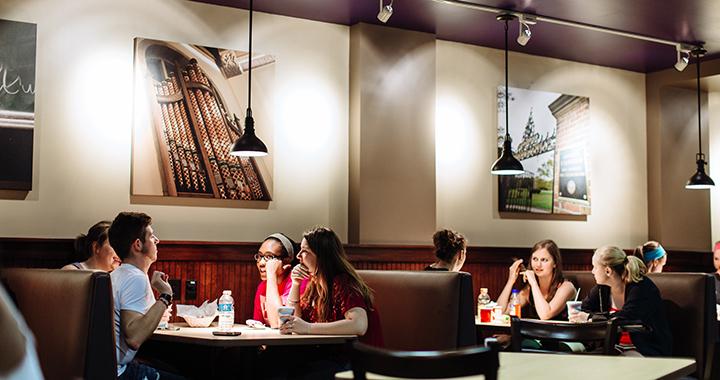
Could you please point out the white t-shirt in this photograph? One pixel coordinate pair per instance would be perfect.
(132, 292)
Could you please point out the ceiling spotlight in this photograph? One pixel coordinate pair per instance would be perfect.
(683, 56)
(385, 11)
(525, 33)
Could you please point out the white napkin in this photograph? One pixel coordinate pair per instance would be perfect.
(204, 310)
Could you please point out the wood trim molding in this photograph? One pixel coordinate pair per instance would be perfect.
(23, 250)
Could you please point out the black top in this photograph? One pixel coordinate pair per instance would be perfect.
(433, 269)
(717, 288)
(642, 303)
(529, 311)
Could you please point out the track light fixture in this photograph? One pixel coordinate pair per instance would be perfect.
(699, 180)
(524, 34)
(683, 56)
(530, 19)
(385, 12)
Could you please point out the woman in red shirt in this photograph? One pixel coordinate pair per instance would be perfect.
(274, 261)
(337, 300)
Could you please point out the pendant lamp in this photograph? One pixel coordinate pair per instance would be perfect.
(248, 144)
(699, 180)
(506, 164)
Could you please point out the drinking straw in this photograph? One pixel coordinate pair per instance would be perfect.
(577, 294)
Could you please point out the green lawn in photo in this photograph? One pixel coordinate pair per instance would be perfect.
(543, 200)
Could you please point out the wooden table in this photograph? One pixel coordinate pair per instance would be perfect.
(249, 337)
(197, 353)
(519, 365)
(486, 329)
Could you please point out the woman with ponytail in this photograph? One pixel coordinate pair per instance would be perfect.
(653, 255)
(625, 292)
(93, 250)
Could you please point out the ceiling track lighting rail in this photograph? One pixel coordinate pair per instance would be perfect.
(682, 48)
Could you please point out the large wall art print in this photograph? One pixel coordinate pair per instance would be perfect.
(17, 104)
(549, 133)
(190, 104)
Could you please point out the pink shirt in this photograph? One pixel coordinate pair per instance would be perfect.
(259, 311)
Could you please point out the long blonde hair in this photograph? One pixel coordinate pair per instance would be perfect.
(630, 268)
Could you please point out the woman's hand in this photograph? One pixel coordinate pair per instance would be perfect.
(295, 325)
(514, 270)
(578, 317)
(529, 277)
(299, 273)
(272, 267)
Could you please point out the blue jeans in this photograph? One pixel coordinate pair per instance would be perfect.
(139, 371)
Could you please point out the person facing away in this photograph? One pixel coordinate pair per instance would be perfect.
(625, 292)
(137, 312)
(546, 290)
(94, 251)
(337, 300)
(450, 250)
(653, 255)
(274, 261)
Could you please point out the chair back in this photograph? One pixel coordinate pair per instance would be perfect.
(424, 364)
(554, 332)
(71, 316)
(690, 308)
(423, 310)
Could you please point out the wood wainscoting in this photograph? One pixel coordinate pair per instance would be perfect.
(216, 266)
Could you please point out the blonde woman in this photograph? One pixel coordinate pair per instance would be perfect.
(625, 292)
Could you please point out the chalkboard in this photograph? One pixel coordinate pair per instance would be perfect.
(17, 66)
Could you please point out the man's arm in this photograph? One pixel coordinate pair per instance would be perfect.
(136, 327)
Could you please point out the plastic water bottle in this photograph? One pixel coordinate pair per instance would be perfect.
(515, 304)
(227, 311)
(483, 300)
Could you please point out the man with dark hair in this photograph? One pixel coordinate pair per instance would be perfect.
(137, 312)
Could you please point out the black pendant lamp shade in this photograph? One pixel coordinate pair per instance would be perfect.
(248, 144)
(699, 180)
(506, 164)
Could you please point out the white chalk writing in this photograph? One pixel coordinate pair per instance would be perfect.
(14, 86)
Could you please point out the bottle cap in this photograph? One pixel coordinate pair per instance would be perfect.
(483, 290)
(227, 292)
(515, 291)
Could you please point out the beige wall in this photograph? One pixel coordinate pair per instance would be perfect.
(84, 114)
(466, 136)
(681, 219)
(82, 156)
(392, 160)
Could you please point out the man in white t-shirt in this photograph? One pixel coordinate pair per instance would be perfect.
(137, 312)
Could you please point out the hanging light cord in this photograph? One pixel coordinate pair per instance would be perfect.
(249, 110)
(699, 107)
(507, 104)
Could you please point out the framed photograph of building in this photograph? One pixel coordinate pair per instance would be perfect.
(17, 104)
(549, 136)
(190, 101)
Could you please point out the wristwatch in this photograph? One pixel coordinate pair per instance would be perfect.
(166, 298)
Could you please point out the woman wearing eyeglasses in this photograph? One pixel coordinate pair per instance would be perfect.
(274, 261)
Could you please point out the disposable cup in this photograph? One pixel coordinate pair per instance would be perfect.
(573, 307)
(284, 312)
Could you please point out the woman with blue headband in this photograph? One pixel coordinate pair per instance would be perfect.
(653, 255)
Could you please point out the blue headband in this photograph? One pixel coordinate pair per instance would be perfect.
(654, 254)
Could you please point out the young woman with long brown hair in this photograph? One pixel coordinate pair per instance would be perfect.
(336, 300)
(546, 290)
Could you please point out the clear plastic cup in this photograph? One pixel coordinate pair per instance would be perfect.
(573, 307)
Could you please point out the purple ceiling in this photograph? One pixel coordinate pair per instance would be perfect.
(676, 20)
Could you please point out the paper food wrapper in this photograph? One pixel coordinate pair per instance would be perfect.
(204, 310)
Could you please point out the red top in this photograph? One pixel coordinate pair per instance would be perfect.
(344, 299)
(624, 336)
(259, 312)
